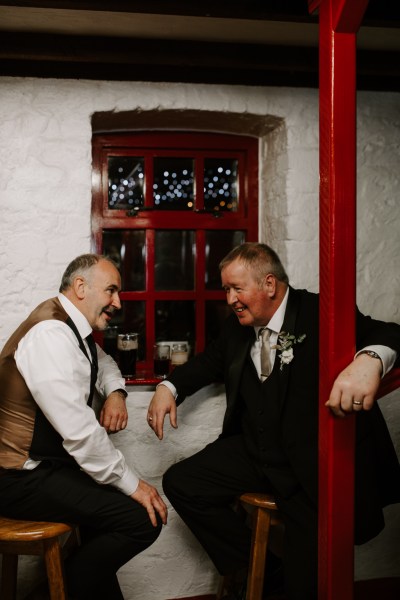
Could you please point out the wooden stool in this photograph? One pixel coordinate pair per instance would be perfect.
(33, 538)
(264, 513)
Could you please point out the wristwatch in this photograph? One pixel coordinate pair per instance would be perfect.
(122, 392)
(370, 353)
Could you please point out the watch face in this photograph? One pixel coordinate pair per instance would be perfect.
(371, 353)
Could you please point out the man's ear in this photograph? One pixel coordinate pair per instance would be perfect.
(79, 287)
(270, 284)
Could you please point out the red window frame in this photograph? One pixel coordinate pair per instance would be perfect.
(195, 145)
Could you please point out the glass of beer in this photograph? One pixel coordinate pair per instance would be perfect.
(127, 350)
(179, 354)
(161, 360)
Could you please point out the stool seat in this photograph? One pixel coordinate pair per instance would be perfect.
(13, 530)
(38, 538)
(260, 500)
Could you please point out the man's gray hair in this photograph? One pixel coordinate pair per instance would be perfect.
(81, 265)
(260, 258)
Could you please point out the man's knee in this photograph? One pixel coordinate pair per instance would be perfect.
(171, 478)
(154, 532)
(144, 534)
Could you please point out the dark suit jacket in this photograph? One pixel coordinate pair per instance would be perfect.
(377, 467)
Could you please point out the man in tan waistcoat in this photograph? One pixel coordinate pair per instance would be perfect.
(57, 462)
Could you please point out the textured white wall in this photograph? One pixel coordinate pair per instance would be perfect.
(45, 200)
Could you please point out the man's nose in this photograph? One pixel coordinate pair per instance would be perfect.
(231, 297)
(116, 301)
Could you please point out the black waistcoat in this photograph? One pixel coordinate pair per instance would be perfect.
(261, 426)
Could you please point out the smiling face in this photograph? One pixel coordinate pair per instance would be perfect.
(96, 294)
(253, 301)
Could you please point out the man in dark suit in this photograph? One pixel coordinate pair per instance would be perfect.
(269, 440)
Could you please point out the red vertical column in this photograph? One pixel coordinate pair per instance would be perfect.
(338, 21)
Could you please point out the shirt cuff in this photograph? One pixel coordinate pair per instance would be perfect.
(387, 355)
(113, 386)
(171, 388)
(128, 483)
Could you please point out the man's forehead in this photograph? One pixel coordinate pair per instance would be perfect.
(107, 272)
(237, 266)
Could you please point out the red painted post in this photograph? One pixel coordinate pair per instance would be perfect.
(337, 85)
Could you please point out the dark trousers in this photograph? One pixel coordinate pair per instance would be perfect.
(203, 489)
(114, 528)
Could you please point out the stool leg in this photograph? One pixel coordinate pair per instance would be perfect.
(221, 588)
(55, 569)
(8, 589)
(260, 533)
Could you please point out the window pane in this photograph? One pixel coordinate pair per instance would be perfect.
(174, 320)
(127, 248)
(125, 182)
(220, 184)
(218, 244)
(216, 313)
(174, 260)
(173, 184)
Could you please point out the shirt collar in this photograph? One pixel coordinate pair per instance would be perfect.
(276, 322)
(75, 314)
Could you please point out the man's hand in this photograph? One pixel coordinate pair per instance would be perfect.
(114, 415)
(148, 496)
(356, 386)
(162, 403)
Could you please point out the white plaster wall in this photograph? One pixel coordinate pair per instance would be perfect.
(175, 566)
(45, 200)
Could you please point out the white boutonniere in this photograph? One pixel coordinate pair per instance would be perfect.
(285, 344)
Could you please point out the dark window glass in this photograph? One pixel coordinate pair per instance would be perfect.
(218, 244)
(220, 184)
(127, 248)
(173, 187)
(174, 320)
(125, 182)
(174, 260)
(110, 340)
(216, 313)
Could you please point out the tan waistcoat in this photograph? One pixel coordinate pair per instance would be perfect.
(19, 413)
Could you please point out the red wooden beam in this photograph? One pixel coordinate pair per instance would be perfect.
(337, 73)
(347, 15)
(337, 282)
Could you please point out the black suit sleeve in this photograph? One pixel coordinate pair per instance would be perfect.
(372, 331)
(208, 366)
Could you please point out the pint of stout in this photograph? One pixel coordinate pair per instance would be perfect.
(127, 350)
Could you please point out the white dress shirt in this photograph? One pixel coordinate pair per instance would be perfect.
(57, 374)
